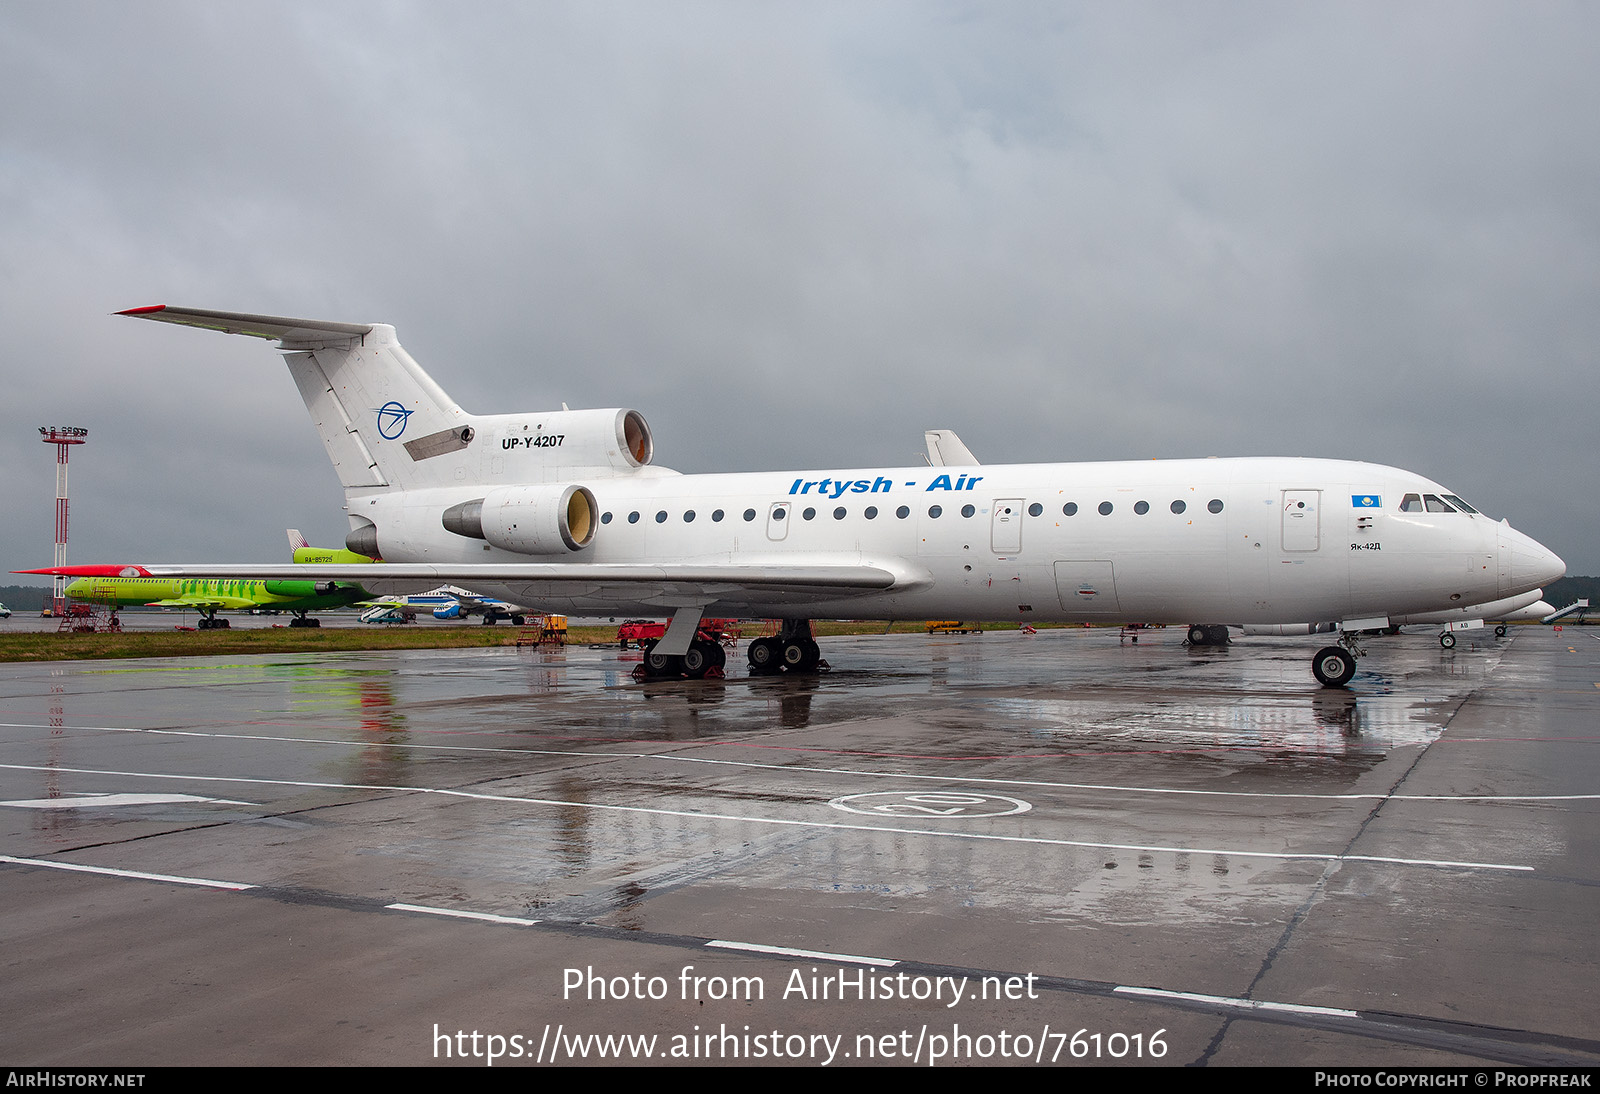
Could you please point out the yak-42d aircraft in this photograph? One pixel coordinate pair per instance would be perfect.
(565, 510)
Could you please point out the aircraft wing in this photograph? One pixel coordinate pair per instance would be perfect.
(791, 581)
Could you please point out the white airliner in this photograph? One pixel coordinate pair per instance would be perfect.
(448, 602)
(565, 510)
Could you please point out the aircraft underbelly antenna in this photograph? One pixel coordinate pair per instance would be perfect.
(349, 453)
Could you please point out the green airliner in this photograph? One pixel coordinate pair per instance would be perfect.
(209, 596)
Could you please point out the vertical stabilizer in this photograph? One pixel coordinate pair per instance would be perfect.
(381, 417)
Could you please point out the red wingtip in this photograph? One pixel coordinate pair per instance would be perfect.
(90, 571)
(144, 311)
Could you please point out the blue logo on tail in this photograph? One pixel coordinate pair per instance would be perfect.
(392, 419)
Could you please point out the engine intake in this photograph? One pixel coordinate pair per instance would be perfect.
(530, 520)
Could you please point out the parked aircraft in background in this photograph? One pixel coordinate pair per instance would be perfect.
(1526, 608)
(447, 602)
(208, 596)
(565, 510)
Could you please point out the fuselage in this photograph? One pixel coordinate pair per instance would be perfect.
(1256, 540)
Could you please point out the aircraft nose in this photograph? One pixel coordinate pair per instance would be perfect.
(1532, 564)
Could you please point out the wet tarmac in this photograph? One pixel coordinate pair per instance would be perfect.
(980, 849)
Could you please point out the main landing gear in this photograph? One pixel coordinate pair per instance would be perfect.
(792, 649)
(684, 651)
(301, 619)
(211, 622)
(1208, 634)
(703, 658)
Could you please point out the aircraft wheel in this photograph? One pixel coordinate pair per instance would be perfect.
(1500, 631)
(1217, 634)
(1333, 667)
(801, 655)
(312, 621)
(765, 655)
(697, 660)
(516, 621)
(1198, 636)
(663, 664)
(1447, 640)
(222, 623)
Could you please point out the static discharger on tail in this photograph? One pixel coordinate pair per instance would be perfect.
(564, 509)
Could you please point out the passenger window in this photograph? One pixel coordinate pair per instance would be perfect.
(967, 510)
(1141, 507)
(749, 514)
(661, 517)
(903, 512)
(935, 510)
(1035, 509)
(1178, 506)
(1105, 509)
(810, 514)
(716, 515)
(1436, 505)
(633, 518)
(1215, 505)
(605, 518)
(688, 516)
(1070, 509)
(872, 512)
(1411, 503)
(838, 514)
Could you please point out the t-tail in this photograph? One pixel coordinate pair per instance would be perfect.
(379, 415)
(388, 427)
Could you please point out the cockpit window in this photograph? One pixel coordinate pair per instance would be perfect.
(1436, 504)
(1459, 504)
(1411, 503)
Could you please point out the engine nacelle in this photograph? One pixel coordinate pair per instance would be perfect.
(547, 444)
(448, 611)
(530, 520)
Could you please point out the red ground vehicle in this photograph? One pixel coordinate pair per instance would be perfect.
(639, 631)
(644, 633)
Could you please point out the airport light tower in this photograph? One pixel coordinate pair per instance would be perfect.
(63, 437)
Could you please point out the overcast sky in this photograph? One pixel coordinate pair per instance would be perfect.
(796, 235)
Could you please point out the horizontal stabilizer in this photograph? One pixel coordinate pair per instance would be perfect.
(255, 326)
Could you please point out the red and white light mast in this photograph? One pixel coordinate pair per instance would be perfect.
(63, 437)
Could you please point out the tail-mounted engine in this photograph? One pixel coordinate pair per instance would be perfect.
(587, 441)
(530, 520)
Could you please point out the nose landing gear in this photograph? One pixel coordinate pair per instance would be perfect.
(1333, 666)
